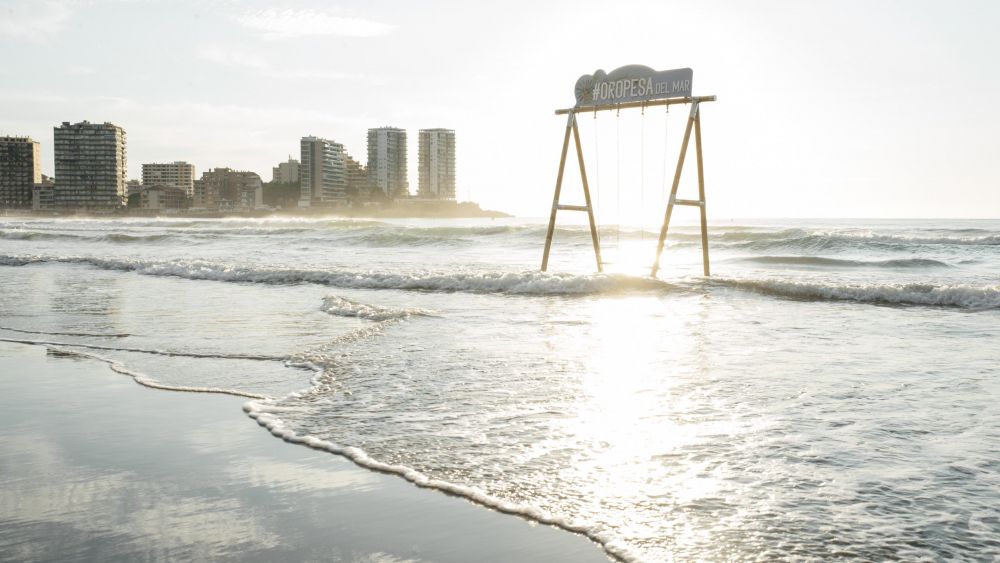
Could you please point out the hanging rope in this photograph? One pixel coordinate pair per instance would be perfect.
(597, 171)
(663, 189)
(642, 174)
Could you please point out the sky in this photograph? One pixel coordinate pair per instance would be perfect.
(825, 109)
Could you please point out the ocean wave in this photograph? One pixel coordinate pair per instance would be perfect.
(842, 263)
(825, 241)
(519, 283)
(126, 238)
(362, 233)
(381, 238)
(970, 297)
(18, 234)
(792, 239)
(529, 283)
(980, 240)
(340, 307)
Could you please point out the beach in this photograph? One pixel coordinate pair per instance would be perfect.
(96, 467)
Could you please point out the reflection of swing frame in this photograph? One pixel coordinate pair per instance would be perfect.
(694, 122)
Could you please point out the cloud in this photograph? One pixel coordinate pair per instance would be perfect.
(81, 70)
(230, 57)
(34, 21)
(289, 23)
(236, 58)
(320, 74)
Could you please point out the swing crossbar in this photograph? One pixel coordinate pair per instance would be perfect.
(691, 202)
(627, 105)
(562, 207)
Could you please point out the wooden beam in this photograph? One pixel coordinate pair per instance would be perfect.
(627, 105)
(691, 202)
(701, 195)
(586, 196)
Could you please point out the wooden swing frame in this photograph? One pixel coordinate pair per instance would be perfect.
(693, 124)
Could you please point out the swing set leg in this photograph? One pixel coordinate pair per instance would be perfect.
(694, 122)
(571, 126)
(570, 123)
(701, 196)
(673, 189)
(586, 194)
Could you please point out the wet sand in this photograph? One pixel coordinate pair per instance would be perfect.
(96, 467)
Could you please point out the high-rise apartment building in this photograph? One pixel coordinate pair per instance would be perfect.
(437, 164)
(90, 166)
(322, 172)
(178, 174)
(20, 170)
(387, 161)
(286, 172)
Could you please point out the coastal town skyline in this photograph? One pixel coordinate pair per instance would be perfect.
(845, 124)
(92, 174)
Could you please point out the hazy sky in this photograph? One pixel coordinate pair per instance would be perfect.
(826, 109)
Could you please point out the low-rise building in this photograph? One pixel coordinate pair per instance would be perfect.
(162, 198)
(43, 195)
(358, 187)
(225, 189)
(132, 187)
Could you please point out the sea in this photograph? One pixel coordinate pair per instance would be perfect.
(832, 390)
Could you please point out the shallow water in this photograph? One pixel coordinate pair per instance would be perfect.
(96, 468)
(831, 391)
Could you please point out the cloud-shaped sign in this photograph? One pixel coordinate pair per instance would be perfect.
(632, 83)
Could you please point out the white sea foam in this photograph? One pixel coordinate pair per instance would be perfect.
(898, 263)
(262, 412)
(341, 307)
(524, 283)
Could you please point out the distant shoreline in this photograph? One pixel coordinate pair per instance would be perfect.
(463, 210)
